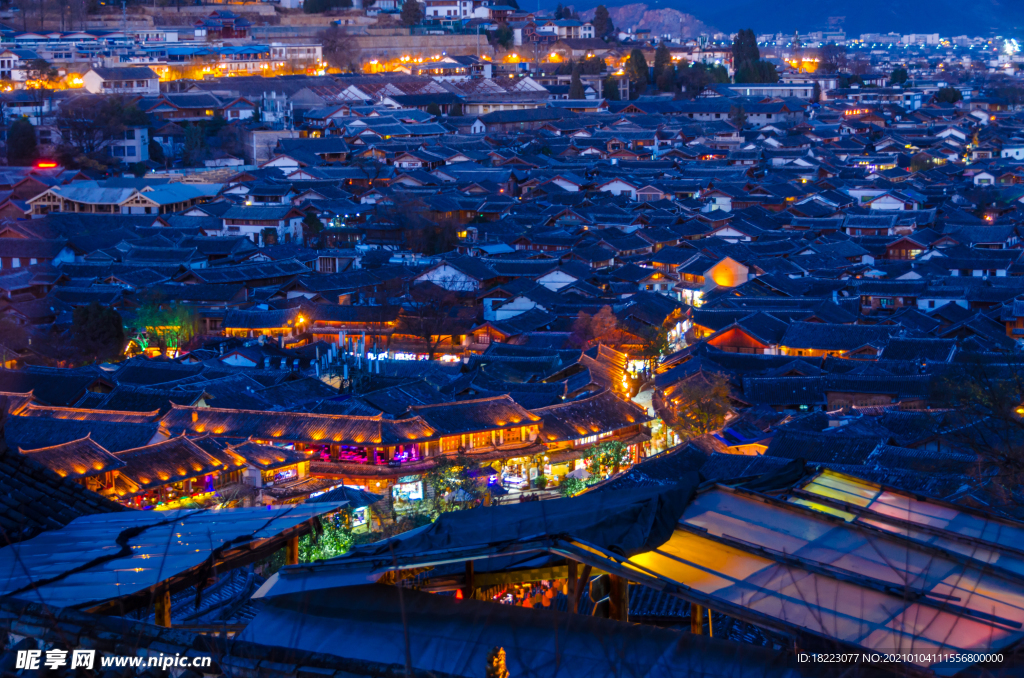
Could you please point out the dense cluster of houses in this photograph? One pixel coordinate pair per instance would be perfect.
(389, 286)
(725, 322)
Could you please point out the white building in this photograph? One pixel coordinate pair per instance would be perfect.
(132, 145)
(449, 9)
(1015, 152)
(253, 222)
(311, 52)
(920, 39)
(13, 63)
(142, 81)
(567, 28)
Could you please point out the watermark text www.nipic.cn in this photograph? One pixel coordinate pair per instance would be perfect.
(86, 659)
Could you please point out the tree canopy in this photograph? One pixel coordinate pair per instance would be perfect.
(21, 143)
(746, 58)
(602, 21)
(610, 88)
(453, 482)
(662, 60)
(948, 95)
(576, 90)
(898, 76)
(88, 125)
(738, 117)
(504, 36)
(168, 327)
(744, 48)
(41, 70)
(703, 404)
(638, 72)
(412, 12)
(666, 80)
(98, 332)
(695, 77)
(757, 72)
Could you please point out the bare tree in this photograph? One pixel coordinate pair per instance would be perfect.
(697, 405)
(23, 8)
(89, 124)
(602, 327)
(63, 8)
(832, 58)
(339, 48)
(432, 318)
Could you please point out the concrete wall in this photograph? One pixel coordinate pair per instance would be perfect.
(371, 46)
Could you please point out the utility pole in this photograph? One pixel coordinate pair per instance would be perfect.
(124, 26)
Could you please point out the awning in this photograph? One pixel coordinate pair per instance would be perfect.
(828, 560)
(627, 522)
(453, 637)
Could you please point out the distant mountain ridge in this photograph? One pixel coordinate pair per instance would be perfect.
(947, 17)
(660, 21)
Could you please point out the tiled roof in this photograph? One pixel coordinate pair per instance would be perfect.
(295, 426)
(467, 416)
(77, 459)
(829, 337)
(33, 498)
(589, 416)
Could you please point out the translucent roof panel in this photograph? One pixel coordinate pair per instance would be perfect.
(906, 507)
(83, 564)
(799, 568)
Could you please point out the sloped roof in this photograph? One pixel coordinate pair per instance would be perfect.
(590, 416)
(76, 459)
(467, 416)
(829, 337)
(296, 426)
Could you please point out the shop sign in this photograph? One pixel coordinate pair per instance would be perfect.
(408, 491)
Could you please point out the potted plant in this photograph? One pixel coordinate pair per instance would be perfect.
(542, 482)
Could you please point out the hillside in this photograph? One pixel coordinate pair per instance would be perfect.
(659, 21)
(949, 17)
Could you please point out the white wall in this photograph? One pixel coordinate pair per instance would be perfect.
(449, 278)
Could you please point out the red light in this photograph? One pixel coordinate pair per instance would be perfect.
(46, 165)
